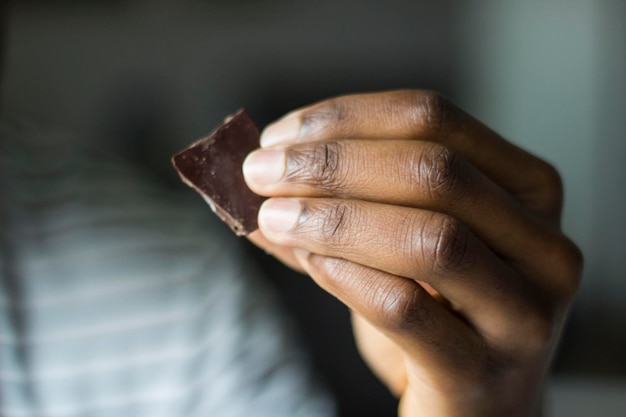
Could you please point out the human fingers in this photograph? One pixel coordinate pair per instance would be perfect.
(384, 357)
(417, 174)
(418, 244)
(424, 330)
(427, 116)
(449, 368)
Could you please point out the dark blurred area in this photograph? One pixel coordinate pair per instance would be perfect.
(145, 77)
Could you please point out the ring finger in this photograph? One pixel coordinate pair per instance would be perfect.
(422, 245)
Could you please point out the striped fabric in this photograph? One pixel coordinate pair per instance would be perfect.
(118, 298)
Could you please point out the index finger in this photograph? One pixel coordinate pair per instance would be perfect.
(427, 116)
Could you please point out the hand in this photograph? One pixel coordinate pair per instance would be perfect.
(441, 237)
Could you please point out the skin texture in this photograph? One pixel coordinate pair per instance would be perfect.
(442, 238)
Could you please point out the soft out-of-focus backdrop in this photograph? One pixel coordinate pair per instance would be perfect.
(145, 77)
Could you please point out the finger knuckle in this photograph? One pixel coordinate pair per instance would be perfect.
(318, 165)
(551, 183)
(335, 225)
(325, 164)
(552, 179)
(401, 309)
(568, 262)
(337, 274)
(443, 173)
(539, 330)
(320, 117)
(434, 113)
(450, 246)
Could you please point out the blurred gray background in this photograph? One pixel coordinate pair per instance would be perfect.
(145, 77)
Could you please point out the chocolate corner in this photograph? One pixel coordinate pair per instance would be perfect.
(213, 167)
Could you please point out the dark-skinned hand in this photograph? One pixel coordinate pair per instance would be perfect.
(441, 237)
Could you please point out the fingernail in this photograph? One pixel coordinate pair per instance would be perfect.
(284, 131)
(265, 166)
(279, 215)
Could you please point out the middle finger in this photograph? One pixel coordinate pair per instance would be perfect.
(407, 173)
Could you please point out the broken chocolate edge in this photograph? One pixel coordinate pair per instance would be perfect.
(236, 225)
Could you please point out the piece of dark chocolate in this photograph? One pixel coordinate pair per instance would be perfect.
(213, 167)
